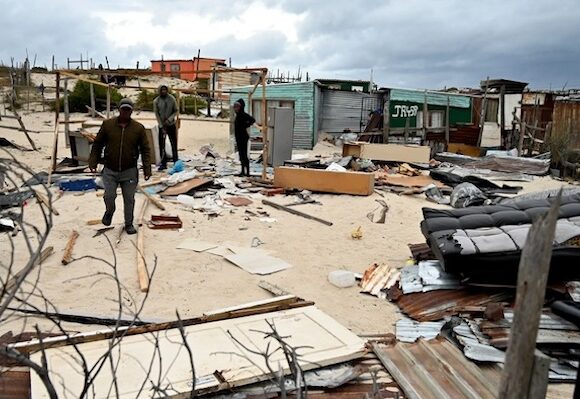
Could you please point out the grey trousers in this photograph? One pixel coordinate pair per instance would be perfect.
(128, 180)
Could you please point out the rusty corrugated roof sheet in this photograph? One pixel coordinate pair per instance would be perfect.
(436, 369)
(434, 305)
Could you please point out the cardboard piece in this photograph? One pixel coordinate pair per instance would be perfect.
(355, 183)
(257, 262)
(388, 152)
(186, 186)
(464, 149)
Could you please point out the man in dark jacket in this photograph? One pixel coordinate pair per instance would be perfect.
(241, 124)
(123, 139)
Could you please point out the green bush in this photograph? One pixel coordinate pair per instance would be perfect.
(145, 100)
(189, 103)
(80, 97)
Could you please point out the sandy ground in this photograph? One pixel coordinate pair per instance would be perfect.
(192, 283)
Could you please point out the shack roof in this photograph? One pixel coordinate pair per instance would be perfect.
(433, 98)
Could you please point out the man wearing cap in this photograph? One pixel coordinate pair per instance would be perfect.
(165, 109)
(123, 139)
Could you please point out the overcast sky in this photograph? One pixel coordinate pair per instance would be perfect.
(407, 43)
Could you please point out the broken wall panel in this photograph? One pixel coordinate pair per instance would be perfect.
(218, 354)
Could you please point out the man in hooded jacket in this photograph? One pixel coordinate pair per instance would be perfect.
(241, 124)
(165, 109)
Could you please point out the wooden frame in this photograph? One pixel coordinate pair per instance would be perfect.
(75, 74)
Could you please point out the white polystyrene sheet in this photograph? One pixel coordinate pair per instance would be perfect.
(322, 341)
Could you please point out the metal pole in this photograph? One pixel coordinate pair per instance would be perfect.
(264, 129)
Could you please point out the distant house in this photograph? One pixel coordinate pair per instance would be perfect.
(185, 69)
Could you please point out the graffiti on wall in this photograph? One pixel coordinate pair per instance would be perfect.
(405, 111)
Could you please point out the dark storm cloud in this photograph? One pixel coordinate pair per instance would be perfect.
(48, 28)
(407, 43)
(438, 43)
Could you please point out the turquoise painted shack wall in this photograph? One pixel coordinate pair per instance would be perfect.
(404, 104)
(304, 98)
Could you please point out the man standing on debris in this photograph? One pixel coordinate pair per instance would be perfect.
(241, 124)
(165, 109)
(123, 139)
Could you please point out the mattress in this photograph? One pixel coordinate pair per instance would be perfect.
(485, 242)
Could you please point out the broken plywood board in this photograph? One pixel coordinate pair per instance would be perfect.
(464, 149)
(215, 354)
(355, 183)
(256, 261)
(185, 187)
(388, 152)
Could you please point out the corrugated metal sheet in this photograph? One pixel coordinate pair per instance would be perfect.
(566, 122)
(303, 96)
(436, 370)
(408, 330)
(552, 330)
(342, 110)
(416, 96)
(434, 305)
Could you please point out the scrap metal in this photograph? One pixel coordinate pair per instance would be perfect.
(436, 369)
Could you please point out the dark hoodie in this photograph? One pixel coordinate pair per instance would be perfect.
(243, 121)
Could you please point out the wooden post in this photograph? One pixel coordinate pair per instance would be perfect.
(93, 105)
(66, 114)
(108, 101)
(521, 139)
(425, 116)
(502, 112)
(56, 121)
(386, 120)
(265, 148)
(533, 272)
(447, 122)
(482, 114)
(141, 265)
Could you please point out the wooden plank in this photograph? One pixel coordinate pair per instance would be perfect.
(108, 101)
(388, 152)
(214, 346)
(355, 183)
(154, 200)
(532, 279)
(295, 212)
(141, 265)
(54, 153)
(254, 308)
(44, 199)
(67, 257)
(185, 187)
(93, 102)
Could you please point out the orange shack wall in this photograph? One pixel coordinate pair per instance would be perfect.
(187, 65)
